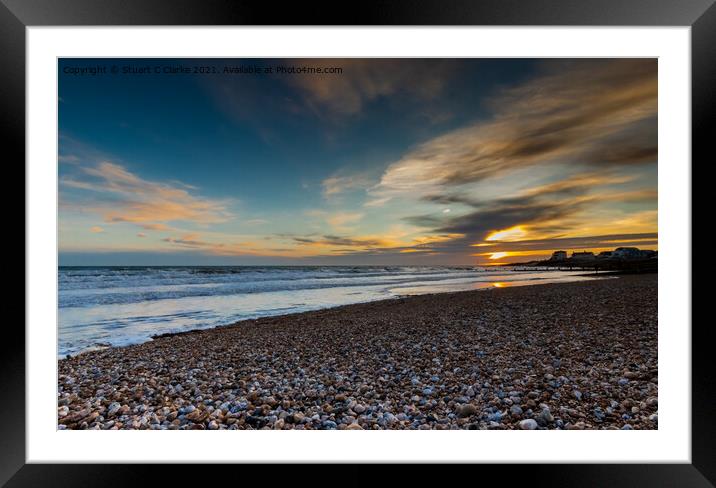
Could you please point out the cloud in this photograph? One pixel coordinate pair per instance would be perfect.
(336, 184)
(128, 198)
(155, 226)
(535, 211)
(587, 242)
(330, 240)
(372, 245)
(190, 240)
(538, 214)
(362, 81)
(96, 229)
(68, 158)
(340, 219)
(588, 113)
(229, 247)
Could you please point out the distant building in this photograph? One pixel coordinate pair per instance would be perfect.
(583, 255)
(632, 253)
(559, 256)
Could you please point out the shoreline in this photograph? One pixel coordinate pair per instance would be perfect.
(386, 301)
(558, 356)
(512, 284)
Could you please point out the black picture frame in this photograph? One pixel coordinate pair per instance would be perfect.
(700, 15)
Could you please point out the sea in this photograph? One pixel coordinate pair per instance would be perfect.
(117, 306)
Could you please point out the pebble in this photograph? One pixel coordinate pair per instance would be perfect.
(546, 416)
(113, 408)
(405, 364)
(466, 410)
(528, 424)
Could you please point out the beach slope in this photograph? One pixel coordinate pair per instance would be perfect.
(558, 356)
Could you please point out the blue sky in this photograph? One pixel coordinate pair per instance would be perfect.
(389, 161)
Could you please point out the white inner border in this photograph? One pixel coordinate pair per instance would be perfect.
(670, 443)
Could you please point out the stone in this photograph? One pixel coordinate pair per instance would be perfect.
(374, 369)
(528, 424)
(547, 416)
(113, 409)
(466, 410)
(76, 416)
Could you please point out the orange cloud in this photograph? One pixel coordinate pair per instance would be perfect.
(148, 204)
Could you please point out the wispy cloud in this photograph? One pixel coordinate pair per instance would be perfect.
(586, 242)
(341, 219)
(155, 226)
(68, 158)
(540, 215)
(365, 80)
(576, 113)
(338, 184)
(149, 204)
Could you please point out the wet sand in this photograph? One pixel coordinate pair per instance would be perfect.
(577, 355)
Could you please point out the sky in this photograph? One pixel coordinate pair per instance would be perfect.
(367, 162)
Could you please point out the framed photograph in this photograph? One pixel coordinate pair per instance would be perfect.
(465, 228)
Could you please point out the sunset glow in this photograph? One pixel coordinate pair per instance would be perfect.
(512, 234)
(365, 167)
(498, 255)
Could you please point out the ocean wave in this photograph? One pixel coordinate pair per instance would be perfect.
(88, 287)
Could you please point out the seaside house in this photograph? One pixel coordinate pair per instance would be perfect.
(631, 253)
(559, 256)
(583, 255)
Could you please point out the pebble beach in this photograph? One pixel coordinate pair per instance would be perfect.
(579, 355)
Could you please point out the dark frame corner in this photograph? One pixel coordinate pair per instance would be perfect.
(16, 15)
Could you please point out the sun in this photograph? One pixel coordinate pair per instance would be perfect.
(512, 234)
